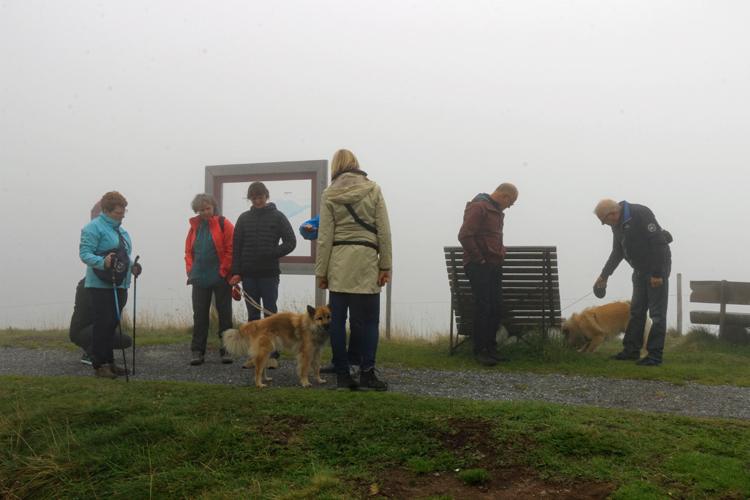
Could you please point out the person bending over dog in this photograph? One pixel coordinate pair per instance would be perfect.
(640, 240)
(481, 236)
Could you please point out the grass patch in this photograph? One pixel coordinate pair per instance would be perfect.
(69, 438)
(474, 476)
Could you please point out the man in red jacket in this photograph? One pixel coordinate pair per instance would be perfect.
(481, 235)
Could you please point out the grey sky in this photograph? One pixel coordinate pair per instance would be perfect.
(571, 101)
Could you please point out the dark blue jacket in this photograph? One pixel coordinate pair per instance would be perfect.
(639, 239)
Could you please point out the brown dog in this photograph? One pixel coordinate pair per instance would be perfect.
(595, 325)
(303, 334)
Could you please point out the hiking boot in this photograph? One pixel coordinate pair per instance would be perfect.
(345, 382)
(484, 358)
(497, 356)
(354, 370)
(87, 359)
(368, 381)
(104, 372)
(118, 370)
(329, 368)
(226, 359)
(272, 364)
(649, 362)
(197, 358)
(621, 356)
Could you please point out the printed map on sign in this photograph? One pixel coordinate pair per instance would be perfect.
(292, 198)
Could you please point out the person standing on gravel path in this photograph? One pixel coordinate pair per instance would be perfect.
(481, 237)
(640, 240)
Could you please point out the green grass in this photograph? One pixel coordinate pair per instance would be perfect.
(85, 438)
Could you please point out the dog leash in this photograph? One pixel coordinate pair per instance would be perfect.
(252, 301)
(576, 302)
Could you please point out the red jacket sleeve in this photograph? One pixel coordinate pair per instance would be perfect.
(189, 250)
(473, 216)
(226, 261)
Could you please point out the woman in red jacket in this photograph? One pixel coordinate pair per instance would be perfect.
(208, 255)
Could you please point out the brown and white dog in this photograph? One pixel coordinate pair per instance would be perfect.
(595, 325)
(304, 334)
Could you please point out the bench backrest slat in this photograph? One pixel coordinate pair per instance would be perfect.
(709, 292)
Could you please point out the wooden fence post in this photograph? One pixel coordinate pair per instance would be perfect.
(679, 303)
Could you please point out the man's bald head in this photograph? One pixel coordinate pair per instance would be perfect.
(608, 212)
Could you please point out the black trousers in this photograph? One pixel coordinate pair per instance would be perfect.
(83, 337)
(105, 322)
(202, 308)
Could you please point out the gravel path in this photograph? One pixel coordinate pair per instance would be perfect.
(170, 362)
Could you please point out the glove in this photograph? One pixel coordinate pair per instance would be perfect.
(137, 269)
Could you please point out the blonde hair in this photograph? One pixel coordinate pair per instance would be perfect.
(343, 160)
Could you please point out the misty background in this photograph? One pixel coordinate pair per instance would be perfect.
(571, 101)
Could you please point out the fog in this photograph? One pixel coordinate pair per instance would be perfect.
(571, 101)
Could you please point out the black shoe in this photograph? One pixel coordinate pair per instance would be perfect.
(197, 358)
(345, 382)
(621, 356)
(368, 381)
(329, 368)
(498, 357)
(484, 357)
(649, 362)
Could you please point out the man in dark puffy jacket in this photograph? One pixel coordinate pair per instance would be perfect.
(481, 236)
(256, 253)
(640, 240)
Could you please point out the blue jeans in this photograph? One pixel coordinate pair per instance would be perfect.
(264, 291)
(487, 289)
(105, 323)
(654, 301)
(364, 309)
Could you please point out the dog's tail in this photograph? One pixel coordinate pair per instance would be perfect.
(236, 343)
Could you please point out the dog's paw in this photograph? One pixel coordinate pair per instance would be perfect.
(306, 383)
(267, 379)
(320, 380)
(262, 386)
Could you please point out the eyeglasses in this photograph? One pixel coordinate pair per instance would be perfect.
(124, 211)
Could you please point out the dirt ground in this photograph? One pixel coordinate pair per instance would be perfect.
(515, 482)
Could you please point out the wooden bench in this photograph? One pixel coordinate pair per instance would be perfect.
(531, 292)
(722, 293)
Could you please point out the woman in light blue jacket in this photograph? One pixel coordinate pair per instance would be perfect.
(106, 248)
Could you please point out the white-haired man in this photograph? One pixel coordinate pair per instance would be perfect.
(640, 240)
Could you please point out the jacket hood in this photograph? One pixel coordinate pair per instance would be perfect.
(349, 188)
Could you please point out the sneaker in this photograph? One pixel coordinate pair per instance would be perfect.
(329, 368)
(104, 372)
(197, 358)
(497, 356)
(368, 381)
(345, 382)
(621, 356)
(87, 359)
(226, 359)
(649, 362)
(484, 358)
(118, 370)
(354, 370)
(272, 364)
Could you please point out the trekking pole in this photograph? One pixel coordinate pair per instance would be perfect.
(119, 323)
(135, 296)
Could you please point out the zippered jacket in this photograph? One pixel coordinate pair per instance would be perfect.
(98, 236)
(481, 233)
(639, 239)
(350, 256)
(256, 247)
(221, 239)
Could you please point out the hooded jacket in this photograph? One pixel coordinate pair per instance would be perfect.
(220, 239)
(256, 249)
(481, 233)
(349, 255)
(640, 240)
(98, 236)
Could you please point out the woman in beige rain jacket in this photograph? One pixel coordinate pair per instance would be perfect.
(353, 263)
